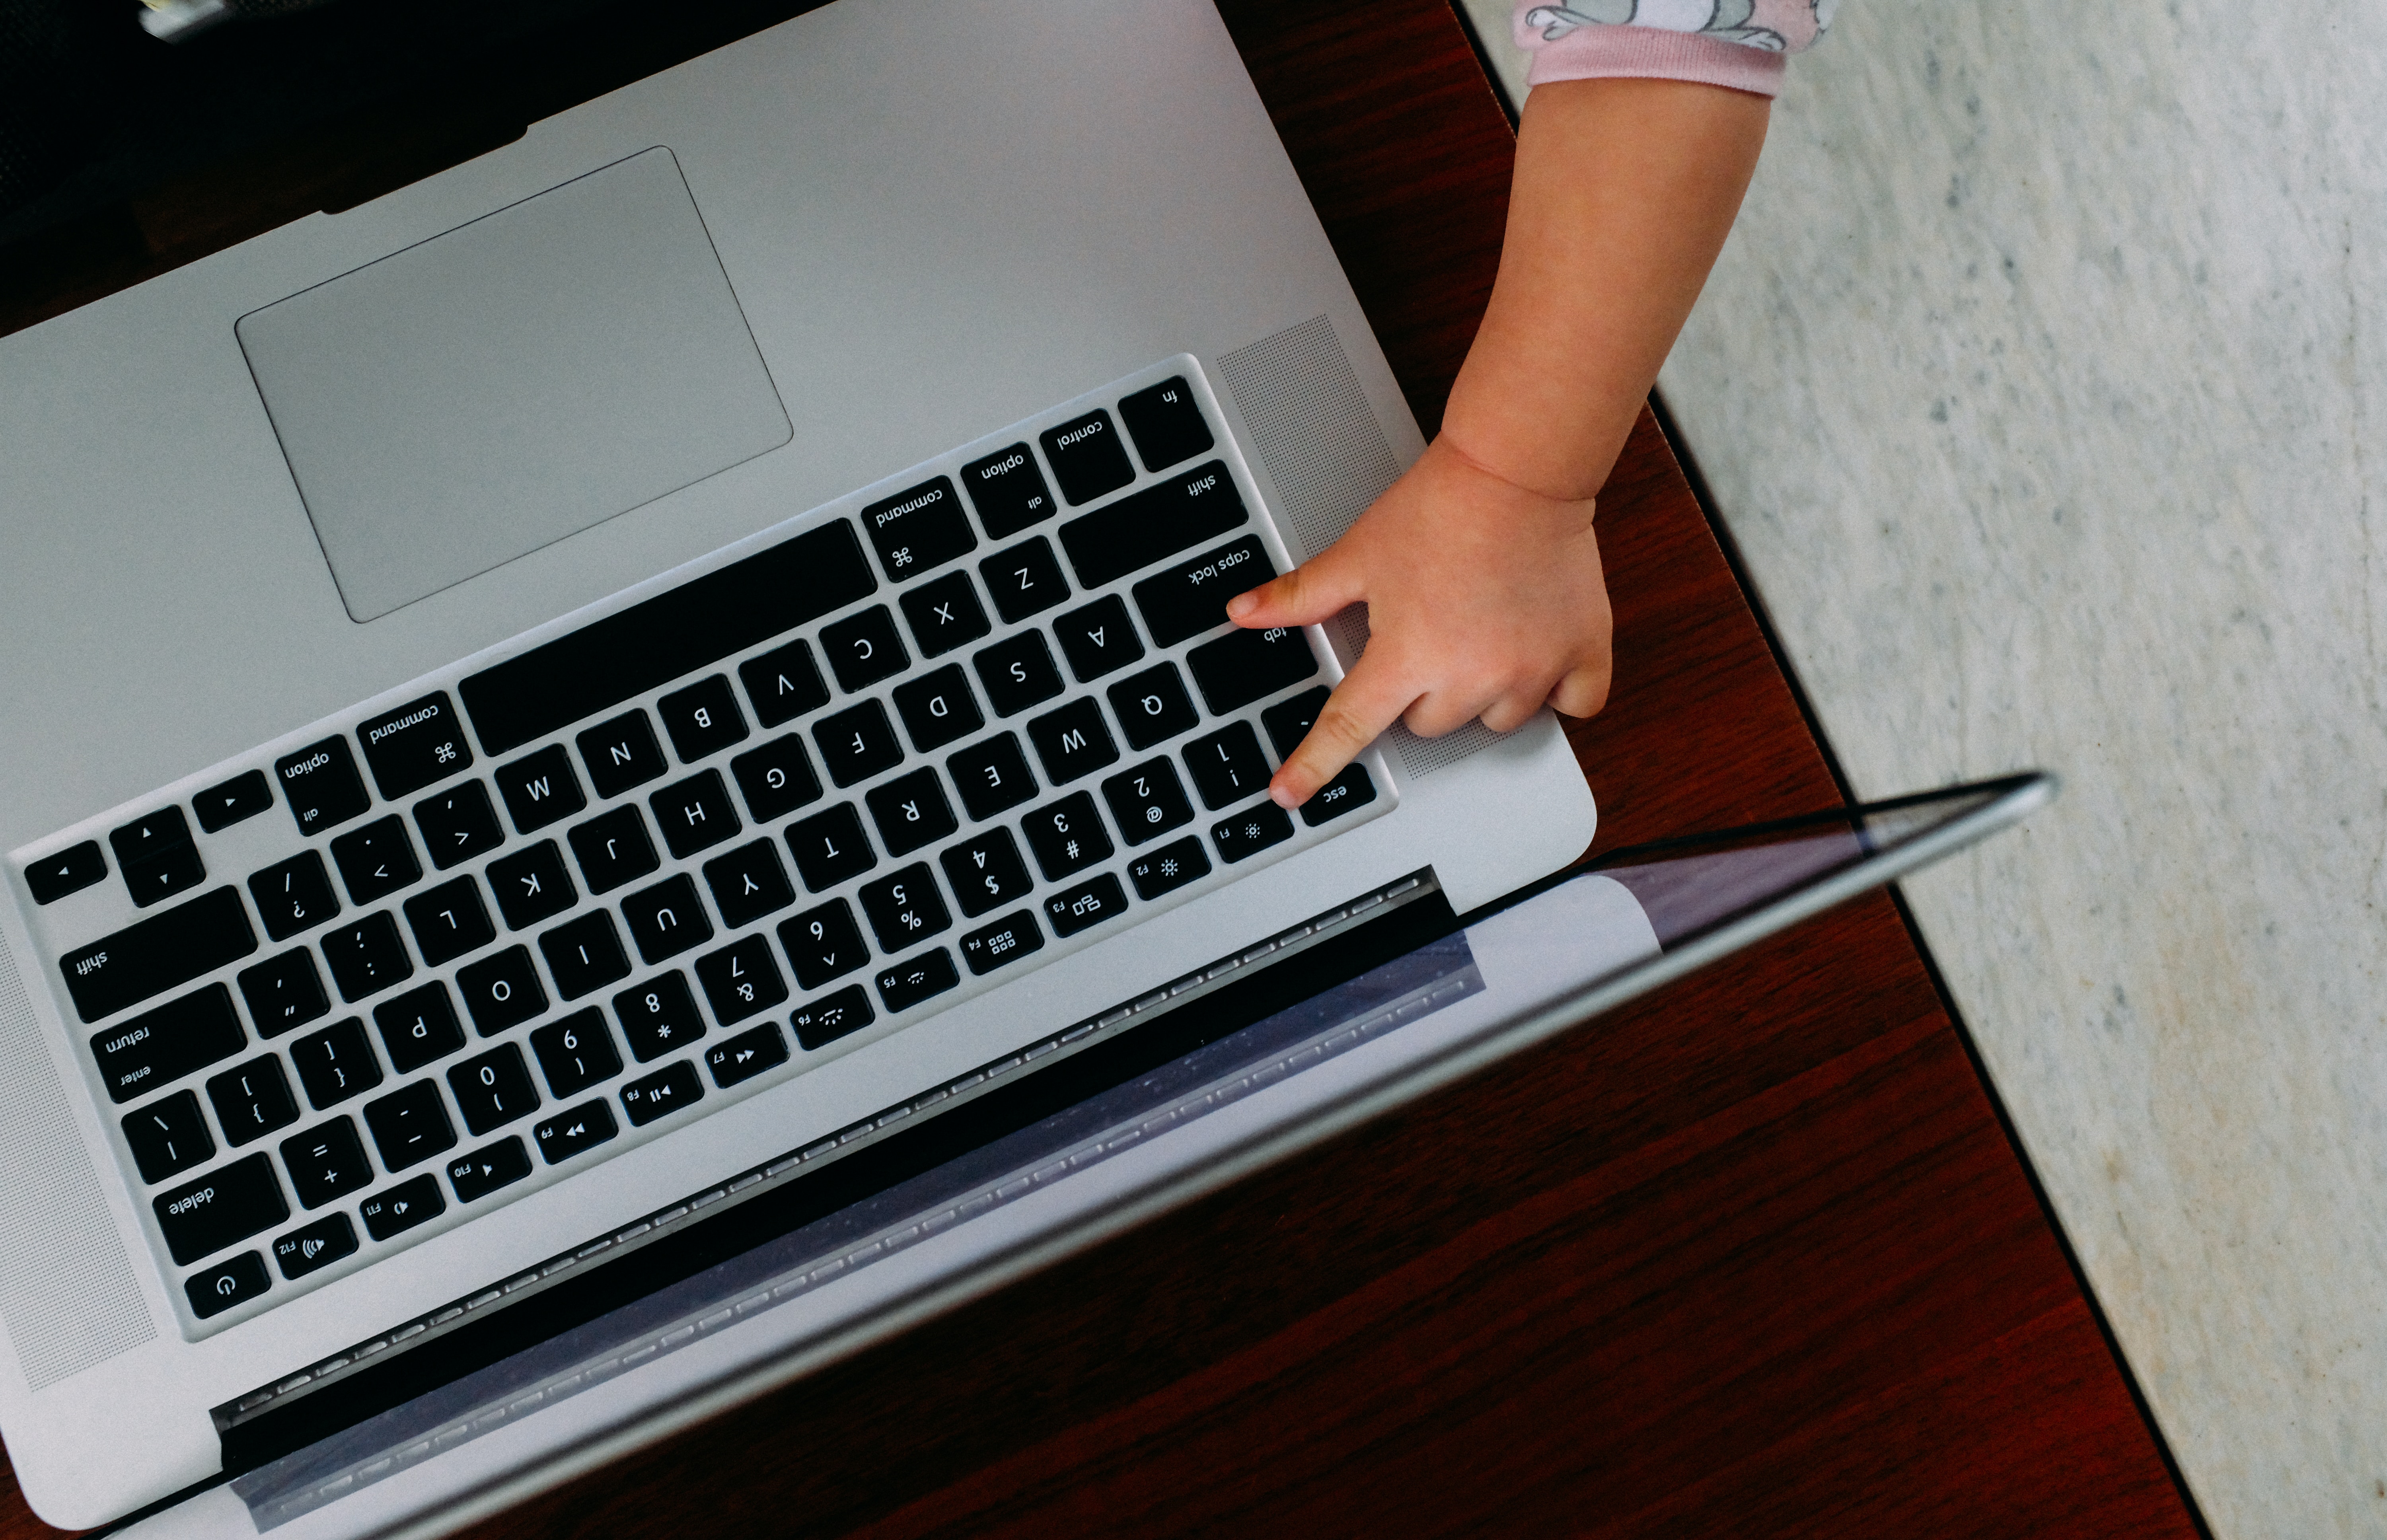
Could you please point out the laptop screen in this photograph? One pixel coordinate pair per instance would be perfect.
(973, 1182)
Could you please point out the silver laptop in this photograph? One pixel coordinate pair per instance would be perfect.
(536, 700)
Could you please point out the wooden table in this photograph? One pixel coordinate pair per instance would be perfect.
(1754, 1256)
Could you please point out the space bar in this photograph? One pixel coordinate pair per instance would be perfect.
(655, 641)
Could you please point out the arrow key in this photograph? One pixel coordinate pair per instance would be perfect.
(487, 1169)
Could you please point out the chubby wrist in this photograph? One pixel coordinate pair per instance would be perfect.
(1537, 509)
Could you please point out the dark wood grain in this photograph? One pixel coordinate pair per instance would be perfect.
(1751, 1257)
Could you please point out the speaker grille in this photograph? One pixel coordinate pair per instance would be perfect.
(65, 1288)
(1327, 454)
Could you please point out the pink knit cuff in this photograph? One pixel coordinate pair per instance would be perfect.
(1646, 53)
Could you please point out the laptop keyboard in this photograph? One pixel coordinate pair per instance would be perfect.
(826, 787)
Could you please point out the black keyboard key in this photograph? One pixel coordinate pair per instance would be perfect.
(1227, 765)
(71, 871)
(620, 753)
(668, 636)
(985, 871)
(823, 943)
(905, 984)
(283, 993)
(905, 908)
(776, 778)
(658, 1016)
(1251, 831)
(1025, 580)
(540, 788)
(226, 1284)
(366, 957)
(783, 683)
(938, 708)
(664, 1091)
(944, 614)
(613, 849)
(1067, 836)
(400, 1209)
(832, 1017)
(418, 1026)
(164, 875)
(1072, 742)
(149, 837)
(168, 1136)
(1151, 706)
(910, 811)
(320, 782)
(749, 883)
(326, 1162)
(252, 1100)
(1165, 422)
(477, 1175)
(336, 1063)
(492, 1089)
(1087, 458)
(1006, 941)
(244, 795)
(375, 860)
(1086, 906)
(1017, 673)
(667, 920)
(1352, 788)
(992, 777)
(450, 921)
(164, 1045)
(1147, 801)
(918, 529)
(1155, 523)
(857, 744)
(1007, 488)
(830, 847)
(420, 742)
(501, 991)
(531, 885)
(1098, 638)
(863, 649)
(313, 1247)
(409, 1126)
(228, 1204)
(457, 824)
(740, 979)
(702, 719)
(574, 1130)
(575, 1052)
(696, 814)
(1158, 873)
(1243, 666)
(584, 955)
(741, 1058)
(154, 955)
(1191, 597)
(1288, 722)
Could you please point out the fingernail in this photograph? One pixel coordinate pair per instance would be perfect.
(1283, 797)
(1242, 605)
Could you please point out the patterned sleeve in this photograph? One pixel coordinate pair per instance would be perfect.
(1741, 43)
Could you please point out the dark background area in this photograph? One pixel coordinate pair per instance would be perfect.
(122, 155)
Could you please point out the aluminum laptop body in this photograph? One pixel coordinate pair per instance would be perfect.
(508, 510)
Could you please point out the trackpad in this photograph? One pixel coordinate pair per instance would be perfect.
(514, 381)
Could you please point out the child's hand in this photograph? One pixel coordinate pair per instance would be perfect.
(1483, 599)
(1483, 596)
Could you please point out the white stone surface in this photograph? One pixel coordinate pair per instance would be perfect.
(2042, 385)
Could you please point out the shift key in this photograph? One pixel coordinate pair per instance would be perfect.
(157, 955)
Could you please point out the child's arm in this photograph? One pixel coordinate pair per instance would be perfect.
(1480, 567)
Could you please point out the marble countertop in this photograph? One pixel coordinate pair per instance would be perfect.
(2041, 386)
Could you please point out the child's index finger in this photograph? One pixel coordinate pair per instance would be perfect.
(1370, 700)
